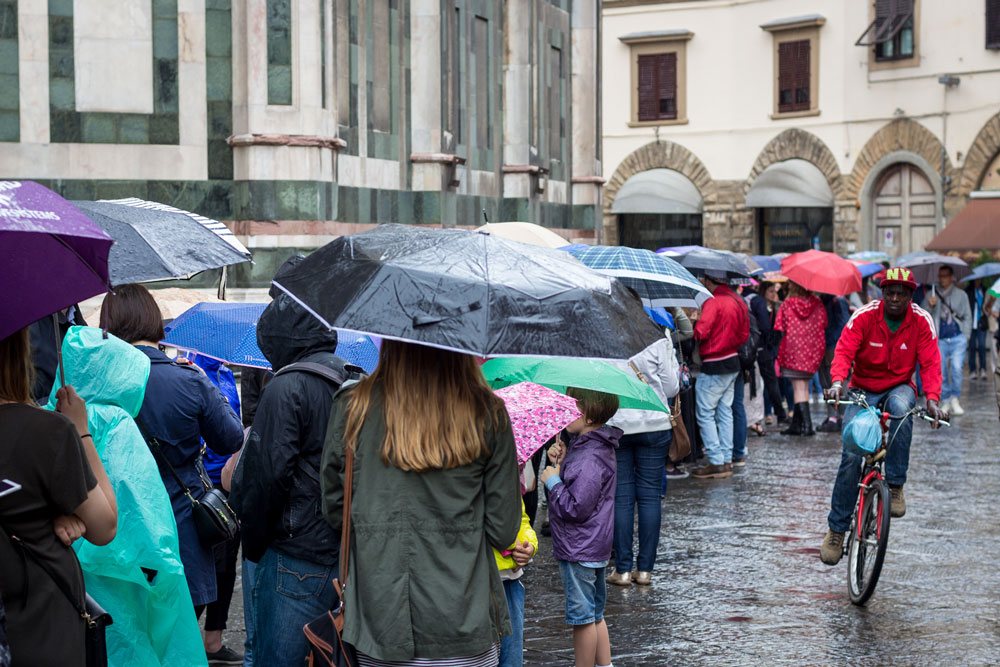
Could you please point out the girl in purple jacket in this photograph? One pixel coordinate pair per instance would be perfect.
(581, 488)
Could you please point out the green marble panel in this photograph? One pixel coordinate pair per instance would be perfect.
(279, 52)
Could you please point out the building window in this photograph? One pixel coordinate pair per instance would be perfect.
(794, 78)
(658, 86)
(658, 76)
(993, 24)
(796, 64)
(892, 32)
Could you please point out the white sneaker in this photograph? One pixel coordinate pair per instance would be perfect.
(956, 407)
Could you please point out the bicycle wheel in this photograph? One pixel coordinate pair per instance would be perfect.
(866, 551)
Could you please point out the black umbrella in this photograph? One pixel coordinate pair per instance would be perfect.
(158, 242)
(714, 264)
(469, 292)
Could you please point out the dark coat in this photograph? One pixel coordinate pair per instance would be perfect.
(180, 408)
(276, 489)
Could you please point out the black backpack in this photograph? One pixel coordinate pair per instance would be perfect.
(748, 350)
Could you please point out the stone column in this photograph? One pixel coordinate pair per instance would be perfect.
(430, 165)
(519, 171)
(586, 168)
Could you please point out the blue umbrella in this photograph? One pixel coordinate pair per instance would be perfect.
(870, 256)
(870, 269)
(983, 271)
(768, 263)
(658, 280)
(661, 316)
(228, 332)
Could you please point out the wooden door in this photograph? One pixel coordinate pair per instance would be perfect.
(905, 211)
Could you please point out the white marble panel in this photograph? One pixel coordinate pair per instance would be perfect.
(113, 54)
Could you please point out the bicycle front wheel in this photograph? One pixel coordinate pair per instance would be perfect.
(866, 551)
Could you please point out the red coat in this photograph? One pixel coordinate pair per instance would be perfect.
(883, 360)
(803, 321)
(724, 325)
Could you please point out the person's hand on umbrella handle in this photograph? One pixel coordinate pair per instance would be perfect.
(548, 472)
(932, 299)
(522, 553)
(557, 452)
(69, 404)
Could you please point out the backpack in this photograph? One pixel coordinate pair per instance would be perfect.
(748, 350)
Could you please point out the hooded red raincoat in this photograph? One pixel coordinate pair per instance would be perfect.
(802, 319)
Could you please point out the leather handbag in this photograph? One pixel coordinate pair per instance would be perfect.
(324, 634)
(214, 519)
(95, 618)
(680, 443)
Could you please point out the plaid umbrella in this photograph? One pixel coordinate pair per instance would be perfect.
(658, 280)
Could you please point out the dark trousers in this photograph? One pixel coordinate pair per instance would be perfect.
(765, 362)
(977, 350)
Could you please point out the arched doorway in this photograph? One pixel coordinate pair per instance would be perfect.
(658, 208)
(793, 205)
(904, 210)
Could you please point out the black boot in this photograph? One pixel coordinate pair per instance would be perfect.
(807, 420)
(795, 425)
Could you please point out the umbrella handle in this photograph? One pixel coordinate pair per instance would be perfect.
(59, 357)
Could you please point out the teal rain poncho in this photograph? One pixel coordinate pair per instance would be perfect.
(154, 623)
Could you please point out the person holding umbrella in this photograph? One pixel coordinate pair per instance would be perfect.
(949, 306)
(802, 321)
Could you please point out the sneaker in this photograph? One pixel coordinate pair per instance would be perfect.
(956, 407)
(676, 472)
(710, 471)
(225, 656)
(982, 373)
(619, 579)
(739, 461)
(832, 549)
(831, 425)
(897, 508)
(642, 578)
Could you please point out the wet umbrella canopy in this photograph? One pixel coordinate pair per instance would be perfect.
(469, 292)
(157, 242)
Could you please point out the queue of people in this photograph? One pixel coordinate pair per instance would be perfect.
(439, 528)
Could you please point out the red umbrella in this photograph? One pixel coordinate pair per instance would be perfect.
(824, 272)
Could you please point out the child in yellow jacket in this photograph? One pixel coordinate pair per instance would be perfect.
(511, 564)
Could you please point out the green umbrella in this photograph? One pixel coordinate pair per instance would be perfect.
(559, 373)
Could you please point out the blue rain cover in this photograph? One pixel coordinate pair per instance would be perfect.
(863, 434)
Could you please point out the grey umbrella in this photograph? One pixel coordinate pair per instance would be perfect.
(158, 242)
(925, 266)
(715, 264)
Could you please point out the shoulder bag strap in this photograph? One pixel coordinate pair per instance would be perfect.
(154, 448)
(26, 550)
(345, 530)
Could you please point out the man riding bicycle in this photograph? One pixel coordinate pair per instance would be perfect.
(884, 341)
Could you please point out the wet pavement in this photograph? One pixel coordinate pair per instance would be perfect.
(738, 579)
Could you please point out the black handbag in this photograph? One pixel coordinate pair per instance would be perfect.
(214, 519)
(96, 619)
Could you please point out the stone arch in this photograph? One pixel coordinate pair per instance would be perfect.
(660, 155)
(901, 136)
(796, 143)
(981, 153)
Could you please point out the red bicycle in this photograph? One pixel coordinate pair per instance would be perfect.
(869, 534)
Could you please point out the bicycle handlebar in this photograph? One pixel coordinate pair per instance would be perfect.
(858, 400)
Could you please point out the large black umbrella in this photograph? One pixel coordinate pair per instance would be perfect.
(157, 242)
(469, 292)
(715, 264)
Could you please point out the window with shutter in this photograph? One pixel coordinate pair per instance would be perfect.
(993, 24)
(657, 82)
(794, 76)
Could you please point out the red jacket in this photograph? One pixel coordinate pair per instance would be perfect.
(883, 360)
(803, 321)
(724, 325)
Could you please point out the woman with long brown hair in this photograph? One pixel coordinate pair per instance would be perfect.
(63, 494)
(435, 488)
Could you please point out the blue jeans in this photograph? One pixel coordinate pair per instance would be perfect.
(248, 574)
(641, 461)
(512, 645)
(845, 489)
(952, 364)
(714, 407)
(977, 350)
(586, 592)
(288, 593)
(739, 419)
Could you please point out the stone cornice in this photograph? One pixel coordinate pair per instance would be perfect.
(297, 140)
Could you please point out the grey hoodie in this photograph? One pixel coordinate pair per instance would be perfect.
(958, 302)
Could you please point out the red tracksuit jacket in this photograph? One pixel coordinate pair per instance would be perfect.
(883, 360)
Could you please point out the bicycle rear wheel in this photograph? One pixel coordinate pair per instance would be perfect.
(866, 551)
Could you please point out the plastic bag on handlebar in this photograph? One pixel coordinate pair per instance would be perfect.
(863, 434)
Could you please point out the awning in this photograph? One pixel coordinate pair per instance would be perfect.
(658, 191)
(793, 183)
(975, 228)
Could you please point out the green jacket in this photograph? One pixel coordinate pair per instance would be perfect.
(422, 579)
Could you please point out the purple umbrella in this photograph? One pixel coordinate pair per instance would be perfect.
(51, 255)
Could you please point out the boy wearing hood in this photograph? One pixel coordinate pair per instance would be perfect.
(276, 490)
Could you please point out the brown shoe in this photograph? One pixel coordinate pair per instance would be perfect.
(832, 549)
(642, 578)
(711, 471)
(897, 508)
(619, 579)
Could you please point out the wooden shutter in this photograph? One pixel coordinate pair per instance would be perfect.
(993, 24)
(648, 102)
(794, 76)
(666, 85)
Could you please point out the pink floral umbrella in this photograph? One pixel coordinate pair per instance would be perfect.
(537, 413)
